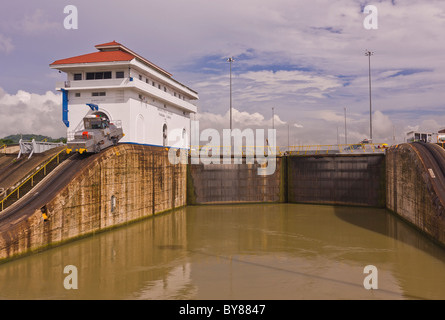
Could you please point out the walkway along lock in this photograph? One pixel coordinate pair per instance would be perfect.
(21, 190)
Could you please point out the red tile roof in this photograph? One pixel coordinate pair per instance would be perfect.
(101, 56)
(112, 43)
(121, 53)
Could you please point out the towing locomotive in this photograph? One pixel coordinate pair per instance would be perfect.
(98, 133)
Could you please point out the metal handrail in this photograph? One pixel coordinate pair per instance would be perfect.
(342, 148)
(3, 147)
(242, 150)
(17, 189)
(303, 149)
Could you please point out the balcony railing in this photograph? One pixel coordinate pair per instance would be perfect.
(128, 82)
(87, 84)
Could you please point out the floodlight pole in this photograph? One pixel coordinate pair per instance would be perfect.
(346, 135)
(369, 54)
(230, 60)
(273, 116)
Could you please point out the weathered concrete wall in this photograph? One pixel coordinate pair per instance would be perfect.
(140, 179)
(337, 179)
(410, 193)
(235, 183)
(334, 179)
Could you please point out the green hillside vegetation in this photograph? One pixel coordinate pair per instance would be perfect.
(14, 139)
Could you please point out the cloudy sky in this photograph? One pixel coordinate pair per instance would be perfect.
(304, 58)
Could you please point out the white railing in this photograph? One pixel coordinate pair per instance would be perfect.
(104, 83)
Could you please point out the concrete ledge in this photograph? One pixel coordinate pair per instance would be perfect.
(410, 194)
(124, 184)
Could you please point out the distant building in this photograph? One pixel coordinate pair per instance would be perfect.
(414, 136)
(120, 84)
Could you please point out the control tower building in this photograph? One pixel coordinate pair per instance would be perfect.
(152, 107)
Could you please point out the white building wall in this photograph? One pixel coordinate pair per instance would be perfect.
(142, 122)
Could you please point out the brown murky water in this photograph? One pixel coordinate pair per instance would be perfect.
(267, 251)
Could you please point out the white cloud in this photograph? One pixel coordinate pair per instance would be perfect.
(6, 45)
(37, 23)
(314, 47)
(240, 119)
(26, 112)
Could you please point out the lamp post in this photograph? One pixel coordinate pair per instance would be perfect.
(338, 139)
(273, 116)
(230, 60)
(369, 54)
(288, 141)
(346, 135)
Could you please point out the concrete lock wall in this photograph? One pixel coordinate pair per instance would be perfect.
(337, 179)
(235, 183)
(131, 182)
(411, 195)
(126, 183)
(334, 179)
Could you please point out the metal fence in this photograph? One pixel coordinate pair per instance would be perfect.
(29, 182)
(338, 149)
(290, 150)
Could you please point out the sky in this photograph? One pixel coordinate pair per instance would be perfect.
(302, 61)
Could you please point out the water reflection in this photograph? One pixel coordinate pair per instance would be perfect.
(269, 251)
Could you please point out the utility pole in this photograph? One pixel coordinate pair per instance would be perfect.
(338, 138)
(288, 143)
(393, 134)
(273, 116)
(369, 54)
(346, 135)
(230, 60)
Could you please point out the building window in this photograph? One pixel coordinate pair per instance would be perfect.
(119, 74)
(159, 86)
(98, 75)
(140, 77)
(77, 76)
(98, 94)
(153, 84)
(77, 94)
(147, 81)
(165, 89)
(175, 94)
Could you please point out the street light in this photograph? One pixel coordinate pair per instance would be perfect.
(288, 141)
(273, 116)
(230, 60)
(346, 135)
(369, 54)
